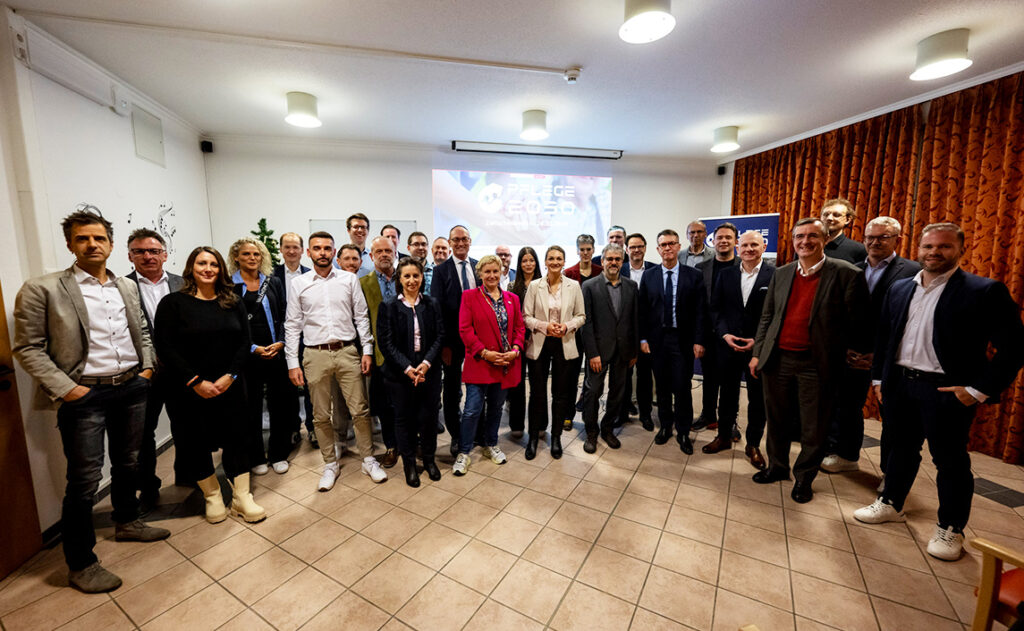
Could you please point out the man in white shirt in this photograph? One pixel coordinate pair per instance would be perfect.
(440, 250)
(358, 226)
(326, 307)
(508, 275)
(82, 336)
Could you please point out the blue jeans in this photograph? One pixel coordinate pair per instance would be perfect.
(120, 413)
(476, 393)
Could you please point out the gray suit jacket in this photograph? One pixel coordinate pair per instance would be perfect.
(604, 334)
(51, 332)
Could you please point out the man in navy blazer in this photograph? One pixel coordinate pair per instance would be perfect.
(636, 250)
(673, 317)
(291, 246)
(946, 341)
(451, 278)
(736, 305)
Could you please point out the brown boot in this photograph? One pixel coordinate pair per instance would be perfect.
(389, 458)
(755, 457)
(716, 446)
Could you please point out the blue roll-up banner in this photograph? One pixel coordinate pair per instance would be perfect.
(767, 224)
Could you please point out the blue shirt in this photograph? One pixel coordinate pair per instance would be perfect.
(387, 287)
(874, 274)
(675, 285)
(237, 279)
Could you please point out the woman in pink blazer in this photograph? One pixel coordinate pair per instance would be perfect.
(491, 327)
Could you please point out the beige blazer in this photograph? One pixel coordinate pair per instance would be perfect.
(535, 315)
(51, 332)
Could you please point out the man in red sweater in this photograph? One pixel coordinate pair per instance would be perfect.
(813, 318)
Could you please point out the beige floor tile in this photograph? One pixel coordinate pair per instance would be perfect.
(467, 516)
(596, 496)
(614, 573)
(896, 617)
(732, 611)
(33, 583)
(832, 604)
(317, 540)
(848, 507)
(962, 597)
(755, 579)
(203, 536)
(701, 499)
(271, 502)
(494, 493)
(299, 599)
(395, 490)
(688, 557)
(537, 507)
(392, 583)
(706, 478)
(753, 542)
(532, 590)
(886, 547)
(107, 617)
(296, 484)
(629, 537)
(667, 469)
(348, 611)
(695, 524)
(578, 521)
(361, 512)
(137, 569)
(494, 616)
(586, 609)
(909, 587)
(754, 513)
(966, 570)
(521, 474)
(679, 598)
(642, 509)
(572, 466)
(653, 487)
(162, 592)
(479, 566)
(555, 484)
(806, 624)
(350, 561)
(826, 532)
(644, 620)
(396, 625)
(434, 546)
(328, 502)
(286, 523)
(209, 609)
(459, 485)
(430, 502)
(262, 575)
(441, 604)
(608, 475)
(742, 485)
(510, 533)
(824, 505)
(826, 563)
(558, 551)
(395, 528)
(621, 458)
(53, 610)
(231, 554)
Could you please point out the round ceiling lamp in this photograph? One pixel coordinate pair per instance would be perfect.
(726, 139)
(941, 55)
(302, 110)
(535, 125)
(647, 21)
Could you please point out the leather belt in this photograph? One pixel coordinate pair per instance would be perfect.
(333, 346)
(113, 380)
(911, 374)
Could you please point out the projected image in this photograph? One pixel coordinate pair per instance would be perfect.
(517, 209)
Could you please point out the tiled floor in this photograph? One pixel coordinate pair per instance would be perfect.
(639, 538)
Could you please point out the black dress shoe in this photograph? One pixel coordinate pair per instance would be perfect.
(611, 440)
(633, 411)
(647, 423)
(412, 477)
(768, 476)
(701, 422)
(531, 447)
(802, 493)
(686, 445)
(556, 446)
(663, 435)
(431, 468)
(590, 444)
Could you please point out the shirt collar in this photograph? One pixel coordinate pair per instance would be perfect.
(609, 281)
(146, 281)
(690, 252)
(82, 276)
(881, 264)
(674, 269)
(237, 277)
(941, 279)
(401, 297)
(756, 270)
(813, 269)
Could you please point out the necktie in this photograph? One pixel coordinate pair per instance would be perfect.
(465, 278)
(668, 300)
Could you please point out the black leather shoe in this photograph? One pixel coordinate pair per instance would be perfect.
(768, 476)
(531, 447)
(647, 423)
(611, 440)
(556, 446)
(701, 422)
(431, 468)
(663, 435)
(412, 477)
(802, 493)
(633, 411)
(590, 444)
(686, 445)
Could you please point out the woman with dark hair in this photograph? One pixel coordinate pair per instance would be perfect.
(409, 329)
(263, 298)
(526, 271)
(202, 339)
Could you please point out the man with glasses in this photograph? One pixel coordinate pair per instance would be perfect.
(358, 227)
(418, 252)
(616, 235)
(642, 402)
(698, 252)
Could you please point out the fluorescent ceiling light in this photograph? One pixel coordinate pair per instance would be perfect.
(535, 150)
(647, 21)
(302, 110)
(726, 139)
(941, 55)
(535, 125)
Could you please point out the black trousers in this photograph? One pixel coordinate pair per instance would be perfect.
(382, 406)
(916, 411)
(673, 371)
(149, 481)
(271, 375)
(644, 384)
(732, 368)
(618, 369)
(846, 433)
(564, 373)
(416, 413)
(207, 425)
(793, 388)
(710, 369)
(517, 403)
(451, 396)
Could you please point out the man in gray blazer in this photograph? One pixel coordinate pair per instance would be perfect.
(147, 252)
(82, 335)
(611, 339)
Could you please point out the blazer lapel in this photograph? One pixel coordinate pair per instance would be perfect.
(71, 286)
(784, 284)
(606, 299)
(828, 276)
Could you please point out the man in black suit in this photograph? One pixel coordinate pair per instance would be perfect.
(837, 214)
(611, 337)
(881, 269)
(616, 235)
(673, 320)
(813, 314)
(724, 239)
(946, 341)
(642, 403)
(394, 234)
(736, 307)
(291, 246)
(451, 278)
(147, 251)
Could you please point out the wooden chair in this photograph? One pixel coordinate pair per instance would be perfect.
(999, 592)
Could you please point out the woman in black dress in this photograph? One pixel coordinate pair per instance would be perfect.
(526, 271)
(410, 331)
(202, 339)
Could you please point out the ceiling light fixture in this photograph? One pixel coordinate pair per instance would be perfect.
(535, 125)
(941, 55)
(302, 110)
(647, 21)
(726, 139)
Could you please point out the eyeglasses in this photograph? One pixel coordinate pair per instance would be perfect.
(359, 227)
(668, 244)
(459, 240)
(149, 251)
(636, 247)
(881, 237)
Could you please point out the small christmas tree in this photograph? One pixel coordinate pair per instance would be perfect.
(266, 236)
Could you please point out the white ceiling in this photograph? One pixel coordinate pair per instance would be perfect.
(776, 68)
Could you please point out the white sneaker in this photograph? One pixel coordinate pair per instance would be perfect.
(262, 469)
(372, 468)
(280, 467)
(495, 454)
(946, 544)
(461, 465)
(329, 476)
(879, 513)
(339, 449)
(838, 464)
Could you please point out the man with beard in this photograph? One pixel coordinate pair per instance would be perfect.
(379, 287)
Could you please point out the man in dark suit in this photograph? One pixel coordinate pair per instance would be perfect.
(946, 341)
(724, 240)
(673, 318)
(611, 337)
(642, 403)
(451, 278)
(813, 314)
(393, 234)
(881, 269)
(736, 307)
(291, 245)
(147, 251)
(837, 214)
(616, 235)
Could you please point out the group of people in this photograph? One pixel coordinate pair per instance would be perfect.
(370, 331)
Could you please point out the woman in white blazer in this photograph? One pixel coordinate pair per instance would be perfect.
(553, 311)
